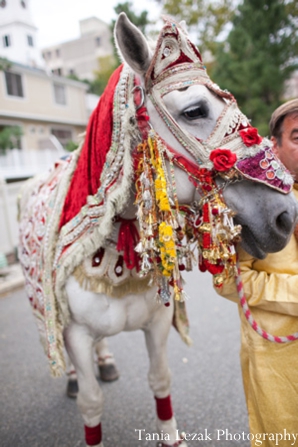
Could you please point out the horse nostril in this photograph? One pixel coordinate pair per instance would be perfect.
(284, 222)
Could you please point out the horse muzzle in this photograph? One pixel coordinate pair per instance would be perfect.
(273, 237)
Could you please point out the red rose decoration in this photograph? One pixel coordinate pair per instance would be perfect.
(250, 136)
(223, 159)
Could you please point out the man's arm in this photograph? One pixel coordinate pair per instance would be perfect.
(270, 290)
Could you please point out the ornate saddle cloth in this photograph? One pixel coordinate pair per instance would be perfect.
(103, 271)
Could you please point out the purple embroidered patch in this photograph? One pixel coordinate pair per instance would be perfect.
(266, 168)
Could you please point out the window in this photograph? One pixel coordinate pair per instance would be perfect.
(30, 41)
(23, 4)
(6, 41)
(14, 85)
(57, 71)
(57, 52)
(2, 3)
(63, 135)
(97, 41)
(49, 55)
(59, 93)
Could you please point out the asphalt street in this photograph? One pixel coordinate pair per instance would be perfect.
(207, 389)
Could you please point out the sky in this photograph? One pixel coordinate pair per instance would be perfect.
(58, 20)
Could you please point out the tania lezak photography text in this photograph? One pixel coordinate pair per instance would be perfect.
(282, 438)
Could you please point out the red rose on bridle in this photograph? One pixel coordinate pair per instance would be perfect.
(250, 136)
(223, 159)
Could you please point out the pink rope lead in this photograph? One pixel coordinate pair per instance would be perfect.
(252, 321)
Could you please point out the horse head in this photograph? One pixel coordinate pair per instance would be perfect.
(204, 125)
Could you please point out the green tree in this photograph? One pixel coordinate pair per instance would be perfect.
(71, 146)
(258, 57)
(205, 18)
(141, 20)
(9, 137)
(107, 65)
(5, 64)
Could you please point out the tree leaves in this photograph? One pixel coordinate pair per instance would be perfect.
(258, 57)
(9, 137)
(206, 19)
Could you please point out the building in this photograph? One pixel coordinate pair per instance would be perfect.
(42, 106)
(81, 57)
(50, 110)
(18, 34)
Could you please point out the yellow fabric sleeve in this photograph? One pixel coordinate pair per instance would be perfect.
(271, 283)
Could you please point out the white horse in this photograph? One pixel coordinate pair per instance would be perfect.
(188, 115)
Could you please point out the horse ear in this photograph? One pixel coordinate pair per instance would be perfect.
(183, 25)
(132, 45)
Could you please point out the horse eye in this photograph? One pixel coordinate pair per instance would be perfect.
(195, 113)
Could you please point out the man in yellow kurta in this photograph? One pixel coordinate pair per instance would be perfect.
(270, 370)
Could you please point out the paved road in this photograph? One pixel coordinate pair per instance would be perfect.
(207, 389)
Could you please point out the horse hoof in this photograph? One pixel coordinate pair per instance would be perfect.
(108, 372)
(72, 388)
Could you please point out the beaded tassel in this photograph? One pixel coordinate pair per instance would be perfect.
(218, 238)
(159, 240)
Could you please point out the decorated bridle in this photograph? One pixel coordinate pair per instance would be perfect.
(169, 232)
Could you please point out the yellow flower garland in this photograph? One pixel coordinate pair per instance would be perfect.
(167, 242)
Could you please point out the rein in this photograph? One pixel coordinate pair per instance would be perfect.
(201, 226)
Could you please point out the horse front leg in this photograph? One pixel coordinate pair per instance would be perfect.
(105, 362)
(79, 345)
(159, 377)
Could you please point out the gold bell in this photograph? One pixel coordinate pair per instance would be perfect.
(206, 254)
(218, 280)
(205, 227)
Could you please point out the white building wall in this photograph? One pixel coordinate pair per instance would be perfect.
(81, 56)
(20, 51)
(37, 111)
(16, 22)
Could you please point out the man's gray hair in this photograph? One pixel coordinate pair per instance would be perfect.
(278, 117)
